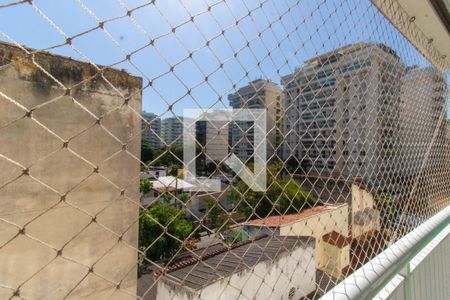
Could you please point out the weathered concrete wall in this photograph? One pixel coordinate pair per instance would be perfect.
(68, 181)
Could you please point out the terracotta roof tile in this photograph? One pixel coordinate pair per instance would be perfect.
(336, 239)
(278, 221)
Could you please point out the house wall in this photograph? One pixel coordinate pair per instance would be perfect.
(197, 204)
(318, 225)
(334, 259)
(157, 172)
(290, 270)
(48, 235)
(362, 199)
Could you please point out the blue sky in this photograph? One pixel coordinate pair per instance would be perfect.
(314, 27)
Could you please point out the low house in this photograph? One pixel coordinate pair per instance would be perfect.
(165, 184)
(154, 172)
(368, 238)
(343, 239)
(335, 258)
(198, 204)
(315, 222)
(250, 269)
(170, 184)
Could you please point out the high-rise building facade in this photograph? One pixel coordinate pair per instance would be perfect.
(342, 112)
(212, 136)
(423, 92)
(258, 94)
(172, 130)
(151, 129)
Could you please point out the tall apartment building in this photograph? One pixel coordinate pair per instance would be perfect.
(423, 102)
(342, 112)
(258, 94)
(213, 138)
(151, 129)
(425, 154)
(172, 130)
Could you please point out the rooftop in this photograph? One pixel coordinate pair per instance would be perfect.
(253, 87)
(196, 273)
(347, 50)
(278, 221)
(170, 183)
(336, 239)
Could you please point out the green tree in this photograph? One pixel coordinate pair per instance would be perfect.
(171, 157)
(388, 210)
(145, 185)
(249, 203)
(173, 169)
(236, 236)
(281, 197)
(294, 166)
(147, 152)
(157, 225)
(214, 166)
(292, 197)
(184, 197)
(166, 197)
(211, 167)
(176, 151)
(216, 216)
